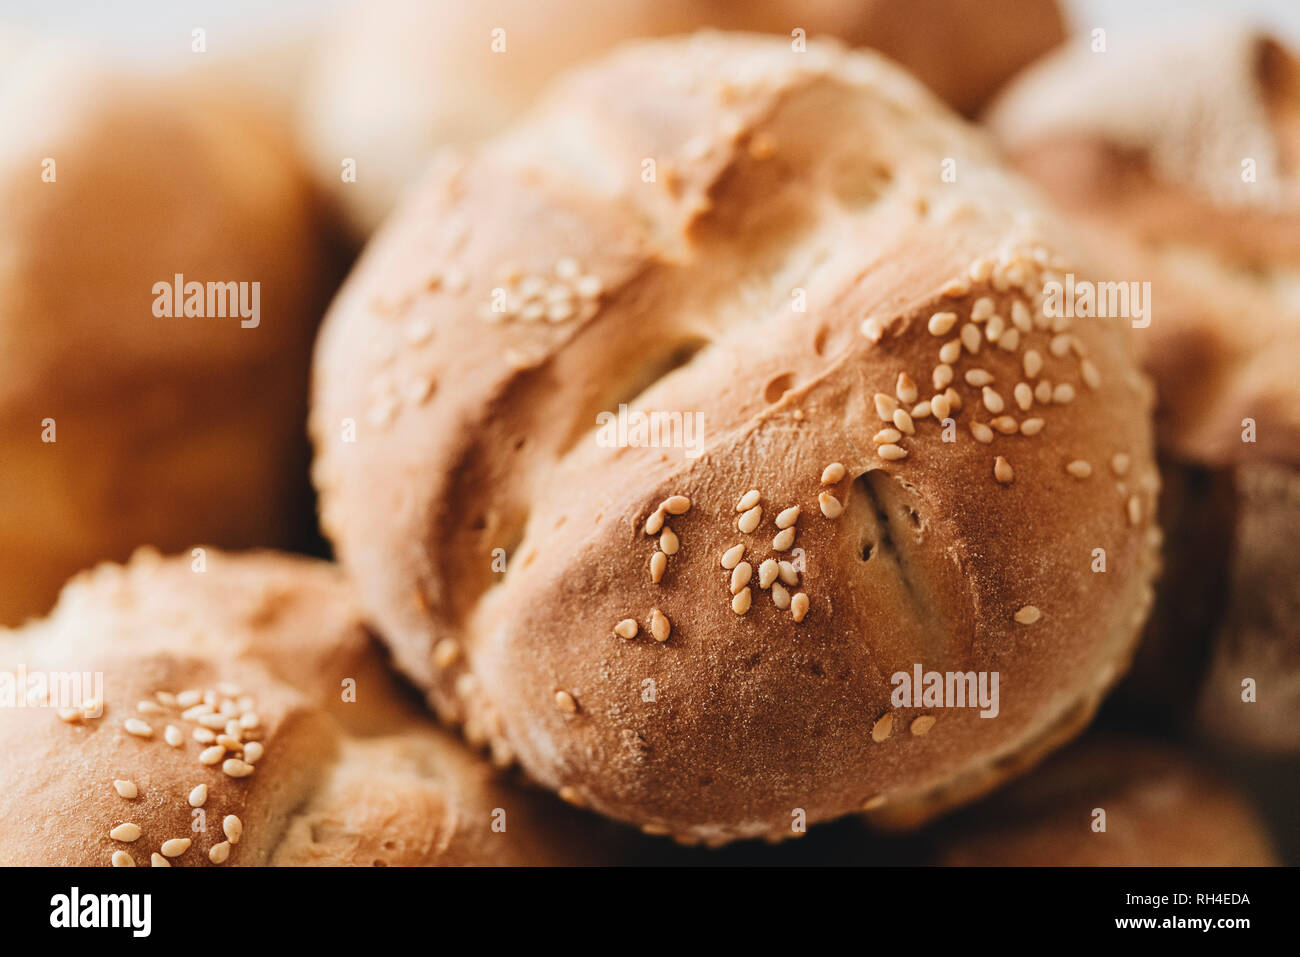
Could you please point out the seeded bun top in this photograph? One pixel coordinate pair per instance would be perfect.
(760, 241)
(1161, 808)
(455, 72)
(118, 427)
(1182, 161)
(328, 761)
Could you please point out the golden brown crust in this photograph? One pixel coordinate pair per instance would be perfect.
(778, 176)
(167, 430)
(1161, 809)
(1190, 181)
(434, 67)
(350, 772)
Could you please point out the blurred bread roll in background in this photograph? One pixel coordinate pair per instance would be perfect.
(1181, 162)
(246, 688)
(396, 79)
(1159, 808)
(119, 427)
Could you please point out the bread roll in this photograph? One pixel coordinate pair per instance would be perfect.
(119, 427)
(349, 771)
(778, 281)
(395, 79)
(1182, 159)
(1161, 809)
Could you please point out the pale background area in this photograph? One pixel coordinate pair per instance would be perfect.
(159, 30)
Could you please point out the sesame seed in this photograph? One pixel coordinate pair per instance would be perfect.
(1119, 463)
(941, 323)
(748, 500)
(874, 802)
(122, 859)
(981, 269)
(1020, 317)
(1005, 424)
(1134, 510)
(767, 572)
(992, 401)
(1010, 340)
(676, 505)
(236, 768)
(905, 389)
(955, 288)
(1002, 470)
(446, 653)
(233, 828)
(788, 573)
(883, 727)
(1079, 469)
(731, 557)
(981, 432)
(564, 701)
(660, 626)
(996, 326)
(1028, 615)
(1063, 393)
(219, 853)
(204, 736)
(229, 742)
(175, 847)
(669, 542)
(885, 406)
(212, 755)
(569, 794)
(886, 435)
(1033, 363)
(922, 724)
(157, 860)
(627, 628)
(187, 699)
(70, 715)
(589, 287)
(939, 407)
(970, 338)
(199, 795)
(1091, 377)
(978, 377)
(654, 523)
(740, 576)
(788, 517)
(172, 735)
(872, 329)
(799, 607)
(891, 452)
(981, 309)
(149, 707)
(126, 833)
(1031, 426)
(941, 375)
(567, 268)
(658, 565)
(741, 602)
(214, 721)
(780, 597)
(138, 728)
(783, 540)
(950, 351)
(1059, 346)
(749, 521)
(903, 422)
(830, 505)
(832, 473)
(126, 789)
(196, 712)
(1023, 395)
(1043, 391)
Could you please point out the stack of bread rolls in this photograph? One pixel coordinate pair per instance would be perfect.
(878, 450)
